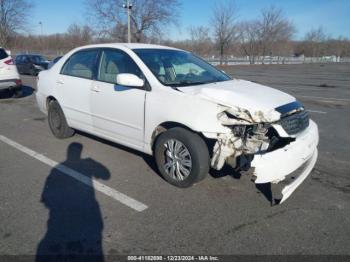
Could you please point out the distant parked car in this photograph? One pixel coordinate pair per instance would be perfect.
(9, 77)
(31, 64)
(54, 61)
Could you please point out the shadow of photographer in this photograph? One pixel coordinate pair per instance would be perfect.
(75, 223)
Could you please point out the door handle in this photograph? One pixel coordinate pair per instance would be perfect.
(96, 89)
(60, 82)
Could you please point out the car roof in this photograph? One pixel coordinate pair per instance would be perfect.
(29, 55)
(131, 46)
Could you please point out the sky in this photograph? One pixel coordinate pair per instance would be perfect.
(332, 15)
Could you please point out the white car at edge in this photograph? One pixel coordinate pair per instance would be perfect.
(9, 77)
(189, 115)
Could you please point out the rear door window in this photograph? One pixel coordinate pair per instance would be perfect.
(81, 64)
(3, 54)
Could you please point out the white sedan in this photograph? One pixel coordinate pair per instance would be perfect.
(189, 115)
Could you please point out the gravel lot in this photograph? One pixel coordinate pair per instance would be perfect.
(222, 215)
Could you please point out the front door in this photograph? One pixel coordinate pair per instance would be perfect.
(117, 111)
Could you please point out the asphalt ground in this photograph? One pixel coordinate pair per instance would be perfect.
(46, 210)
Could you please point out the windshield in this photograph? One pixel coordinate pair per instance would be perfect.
(179, 68)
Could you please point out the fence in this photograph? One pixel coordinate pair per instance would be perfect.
(279, 60)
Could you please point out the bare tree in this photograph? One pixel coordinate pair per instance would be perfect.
(201, 43)
(79, 35)
(224, 21)
(269, 35)
(249, 35)
(338, 46)
(275, 29)
(148, 17)
(314, 42)
(119, 33)
(13, 18)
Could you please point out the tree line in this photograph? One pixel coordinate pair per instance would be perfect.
(226, 35)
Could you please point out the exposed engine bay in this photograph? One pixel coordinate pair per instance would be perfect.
(244, 140)
(248, 137)
(271, 144)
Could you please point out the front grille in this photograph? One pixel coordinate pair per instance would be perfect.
(295, 123)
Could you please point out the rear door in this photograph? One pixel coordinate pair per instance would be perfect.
(74, 87)
(118, 111)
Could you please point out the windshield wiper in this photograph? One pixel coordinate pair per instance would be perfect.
(188, 83)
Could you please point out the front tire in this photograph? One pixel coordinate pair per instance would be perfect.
(57, 121)
(182, 157)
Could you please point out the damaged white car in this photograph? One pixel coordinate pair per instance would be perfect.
(188, 114)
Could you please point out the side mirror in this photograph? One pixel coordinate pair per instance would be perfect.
(130, 80)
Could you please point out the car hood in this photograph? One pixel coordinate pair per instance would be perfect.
(255, 98)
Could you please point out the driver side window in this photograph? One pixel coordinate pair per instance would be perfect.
(114, 62)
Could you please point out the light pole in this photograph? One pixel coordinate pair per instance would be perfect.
(128, 6)
(41, 35)
(41, 28)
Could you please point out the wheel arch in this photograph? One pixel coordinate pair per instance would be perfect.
(163, 127)
(48, 100)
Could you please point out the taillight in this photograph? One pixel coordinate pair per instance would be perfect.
(9, 62)
(18, 82)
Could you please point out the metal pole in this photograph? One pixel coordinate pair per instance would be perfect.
(41, 36)
(128, 6)
(41, 28)
(129, 9)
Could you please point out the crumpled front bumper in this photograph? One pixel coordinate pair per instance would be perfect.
(297, 159)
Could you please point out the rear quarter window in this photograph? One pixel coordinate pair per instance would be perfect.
(3, 54)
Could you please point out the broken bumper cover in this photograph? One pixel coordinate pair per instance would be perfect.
(300, 155)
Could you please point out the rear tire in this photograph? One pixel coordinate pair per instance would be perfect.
(57, 121)
(182, 157)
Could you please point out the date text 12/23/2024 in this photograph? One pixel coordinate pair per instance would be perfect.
(173, 258)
